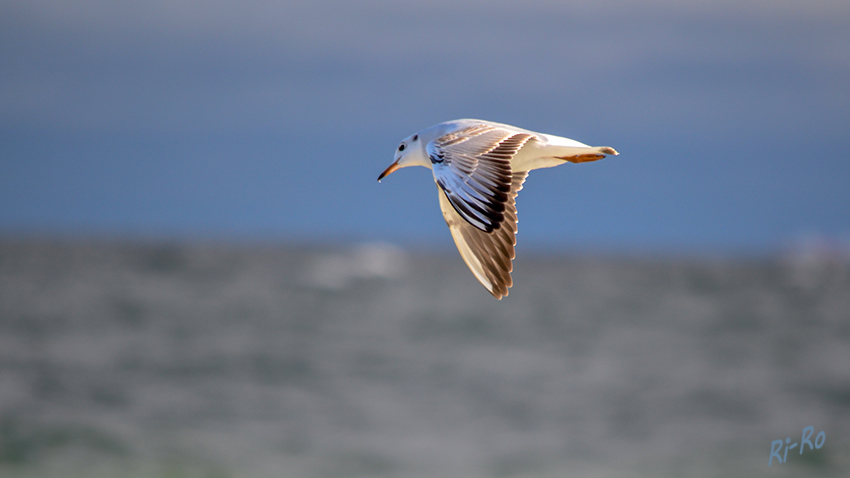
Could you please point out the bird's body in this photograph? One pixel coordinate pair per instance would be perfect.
(479, 167)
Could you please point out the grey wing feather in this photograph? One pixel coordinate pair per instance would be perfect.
(488, 254)
(472, 166)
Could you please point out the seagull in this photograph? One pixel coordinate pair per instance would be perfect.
(479, 167)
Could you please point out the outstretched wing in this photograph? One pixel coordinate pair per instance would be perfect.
(478, 188)
(473, 168)
(487, 254)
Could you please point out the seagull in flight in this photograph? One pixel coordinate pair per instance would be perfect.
(479, 167)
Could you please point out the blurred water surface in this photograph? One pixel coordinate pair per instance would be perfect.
(216, 360)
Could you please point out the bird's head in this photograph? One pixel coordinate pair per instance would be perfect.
(410, 152)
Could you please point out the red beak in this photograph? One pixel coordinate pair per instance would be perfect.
(388, 171)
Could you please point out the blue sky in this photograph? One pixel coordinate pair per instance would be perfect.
(271, 120)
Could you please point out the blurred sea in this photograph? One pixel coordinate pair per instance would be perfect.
(258, 360)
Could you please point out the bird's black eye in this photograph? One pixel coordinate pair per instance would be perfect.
(401, 147)
(415, 137)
